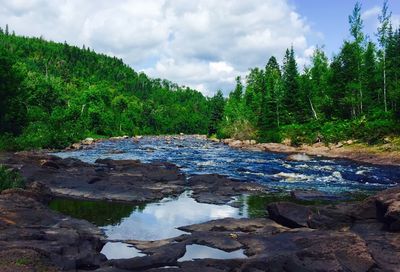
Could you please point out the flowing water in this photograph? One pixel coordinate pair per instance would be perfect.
(160, 220)
(196, 156)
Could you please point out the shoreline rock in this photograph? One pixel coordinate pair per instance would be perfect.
(359, 236)
(125, 180)
(346, 150)
(29, 228)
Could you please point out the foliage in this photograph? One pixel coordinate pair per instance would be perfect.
(356, 95)
(9, 178)
(54, 94)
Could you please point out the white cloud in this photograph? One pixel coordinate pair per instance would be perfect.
(203, 44)
(371, 13)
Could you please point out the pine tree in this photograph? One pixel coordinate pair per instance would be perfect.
(217, 105)
(383, 31)
(292, 98)
(369, 75)
(356, 26)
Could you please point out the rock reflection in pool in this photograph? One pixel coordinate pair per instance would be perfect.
(152, 221)
(119, 250)
(203, 252)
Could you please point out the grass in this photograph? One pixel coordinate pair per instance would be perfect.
(9, 178)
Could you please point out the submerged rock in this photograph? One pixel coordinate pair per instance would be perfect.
(298, 157)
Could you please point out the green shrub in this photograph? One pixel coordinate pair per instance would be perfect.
(9, 178)
(240, 130)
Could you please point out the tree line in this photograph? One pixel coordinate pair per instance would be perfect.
(354, 95)
(53, 94)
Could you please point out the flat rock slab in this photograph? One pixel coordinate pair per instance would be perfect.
(124, 180)
(35, 232)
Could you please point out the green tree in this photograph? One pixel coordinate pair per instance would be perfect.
(356, 27)
(292, 97)
(217, 105)
(383, 32)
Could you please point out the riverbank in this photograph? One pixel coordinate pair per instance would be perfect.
(379, 154)
(385, 154)
(357, 236)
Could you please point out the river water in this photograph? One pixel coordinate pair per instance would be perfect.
(160, 220)
(197, 156)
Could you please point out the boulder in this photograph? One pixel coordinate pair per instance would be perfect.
(87, 141)
(289, 214)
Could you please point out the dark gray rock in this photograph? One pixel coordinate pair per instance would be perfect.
(67, 243)
(289, 214)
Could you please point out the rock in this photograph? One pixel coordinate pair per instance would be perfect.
(339, 145)
(383, 246)
(298, 157)
(308, 251)
(310, 195)
(217, 189)
(87, 141)
(289, 214)
(50, 164)
(236, 144)
(244, 225)
(162, 256)
(388, 208)
(76, 146)
(67, 243)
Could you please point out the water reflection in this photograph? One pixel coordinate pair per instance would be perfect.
(159, 220)
(153, 221)
(100, 213)
(119, 250)
(203, 252)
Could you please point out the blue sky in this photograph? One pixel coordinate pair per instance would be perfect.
(330, 18)
(203, 44)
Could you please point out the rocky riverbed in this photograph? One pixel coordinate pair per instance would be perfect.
(357, 236)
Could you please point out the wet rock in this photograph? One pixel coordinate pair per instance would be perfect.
(310, 195)
(162, 256)
(236, 225)
(126, 180)
(298, 157)
(217, 189)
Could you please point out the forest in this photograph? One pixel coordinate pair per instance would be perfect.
(53, 94)
(355, 95)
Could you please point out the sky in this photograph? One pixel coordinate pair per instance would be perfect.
(202, 44)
